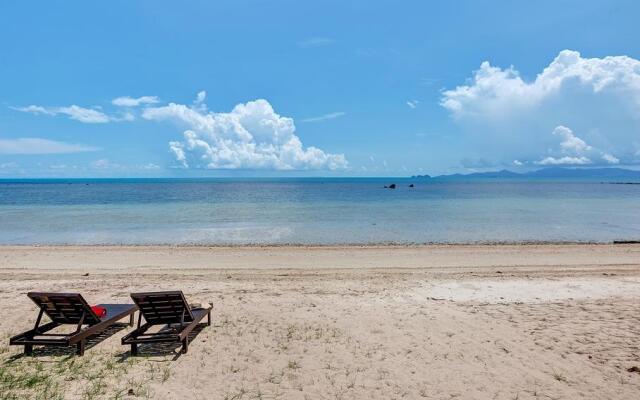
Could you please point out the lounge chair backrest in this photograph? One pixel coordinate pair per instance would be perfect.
(65, 308)
(163, 307)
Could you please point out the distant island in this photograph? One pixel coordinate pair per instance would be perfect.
(612, 175)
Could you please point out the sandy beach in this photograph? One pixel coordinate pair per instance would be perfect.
(436, 322)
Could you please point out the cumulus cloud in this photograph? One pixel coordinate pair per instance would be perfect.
(86, 115)
(251, 136)
(40, 146)
(127, 101)
(570, 143)
(611, 159)
(575, 151)
(506, 114)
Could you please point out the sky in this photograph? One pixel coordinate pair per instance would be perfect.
(323, 88)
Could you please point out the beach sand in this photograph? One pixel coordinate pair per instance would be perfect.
(436, 322)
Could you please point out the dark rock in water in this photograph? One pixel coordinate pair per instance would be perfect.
(392, 186)
(411, 185)
(386, 187)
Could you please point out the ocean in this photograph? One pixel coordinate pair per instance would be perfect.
(322, 211)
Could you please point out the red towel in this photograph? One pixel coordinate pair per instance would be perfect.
(99, 310)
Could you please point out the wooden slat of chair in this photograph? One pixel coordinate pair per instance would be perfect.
(175, 311)
(65, 309)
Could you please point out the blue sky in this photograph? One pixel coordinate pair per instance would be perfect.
(327, 88)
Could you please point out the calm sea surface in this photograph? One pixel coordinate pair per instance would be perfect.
(313, 211)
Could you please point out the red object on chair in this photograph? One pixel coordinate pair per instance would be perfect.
(99, 310)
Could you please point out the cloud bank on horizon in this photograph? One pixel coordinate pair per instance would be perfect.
(522, 120)
(251, 136)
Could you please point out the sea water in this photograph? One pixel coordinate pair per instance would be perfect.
(314, 211)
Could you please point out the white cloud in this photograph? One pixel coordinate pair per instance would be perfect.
(503, 113)
(127, 101)
(40, 146)
(151, 166)
(200, 97)
(517, 163)
(413, 103)
(611, 159)
(108, 166)
(325, 117)
(315, 42)
(33, 109)
(574, 150)
(571, 143)
(86, 115)
(251, 136)
(566, 160)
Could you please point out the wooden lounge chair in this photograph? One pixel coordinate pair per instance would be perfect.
(165, 308)
(69, 309)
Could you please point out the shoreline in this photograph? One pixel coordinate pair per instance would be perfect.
(320, 259)
(386, 245)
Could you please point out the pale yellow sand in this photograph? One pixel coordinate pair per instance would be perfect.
(437, 322)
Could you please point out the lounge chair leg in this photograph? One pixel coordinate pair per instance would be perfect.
(131, 319)
(28, 349)
(134, 349)
(80, 348)
(209, 318)
(185, 346)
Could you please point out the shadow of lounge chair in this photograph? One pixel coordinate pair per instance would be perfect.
(69, 309)
(169, 309)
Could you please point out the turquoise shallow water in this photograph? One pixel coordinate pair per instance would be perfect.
(314, 211)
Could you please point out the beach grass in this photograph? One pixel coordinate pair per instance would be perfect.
(98, 375)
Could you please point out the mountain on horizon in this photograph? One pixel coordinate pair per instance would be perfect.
(606, 174)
